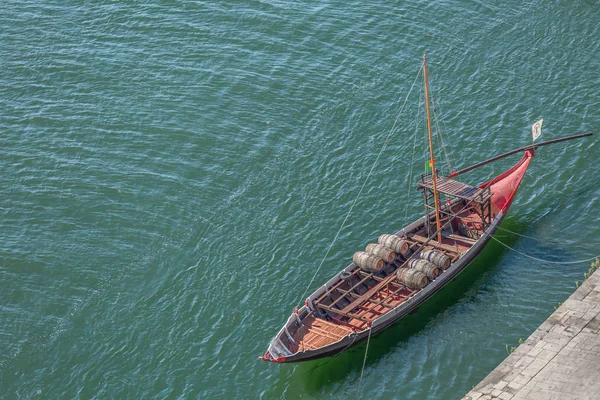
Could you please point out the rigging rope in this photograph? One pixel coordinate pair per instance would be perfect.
(364, 362)
(412, 160)
(440, 135)
(363, 185)
(545, 261)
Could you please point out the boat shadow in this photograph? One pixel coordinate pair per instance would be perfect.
(319, 374)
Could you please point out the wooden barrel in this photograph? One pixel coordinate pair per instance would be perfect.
(379, 250)
(436, 257)
(424, 266)
(368, 262)
(395, 243)
(412, 278)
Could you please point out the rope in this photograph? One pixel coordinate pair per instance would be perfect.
(518, 234)
(440, 135)
(425, 148)
(594, 245)
(364, 362)
(354, 336)
(546, 261)
(363, 186)
(412, 162)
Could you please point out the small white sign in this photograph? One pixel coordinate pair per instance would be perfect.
(536, 129)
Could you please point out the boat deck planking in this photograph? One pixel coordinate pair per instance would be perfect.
(317, 332)
(345, 306)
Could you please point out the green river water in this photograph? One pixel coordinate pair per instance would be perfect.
(173, 173)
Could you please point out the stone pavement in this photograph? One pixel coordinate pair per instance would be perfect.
(560, 360)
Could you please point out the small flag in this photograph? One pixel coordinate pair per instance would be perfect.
(536, 129)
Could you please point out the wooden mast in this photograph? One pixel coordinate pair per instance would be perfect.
(432, 159)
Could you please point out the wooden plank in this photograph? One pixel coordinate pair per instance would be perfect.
(333, 334)
(462, 238)
(345, 293)
(344, 313)
(377, 303)
(338, 284)
(435, 243)
(377, 278)
(328, 292)
(360, 282)
(369, 293)
(318, 332)
(457, 189)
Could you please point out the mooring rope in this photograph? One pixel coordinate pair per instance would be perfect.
(518, 234)
(364, 362)
(545, 261)
(354, 336)
(362, 187)
(586, 245)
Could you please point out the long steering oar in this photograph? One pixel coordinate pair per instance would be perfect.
(528, 147)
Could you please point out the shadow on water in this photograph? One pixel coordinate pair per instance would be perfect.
(317, 375)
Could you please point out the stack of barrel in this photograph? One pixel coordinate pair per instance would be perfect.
(376, 255)
(423, 269)
(391, 248)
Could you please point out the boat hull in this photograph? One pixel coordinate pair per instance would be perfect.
(400, 312)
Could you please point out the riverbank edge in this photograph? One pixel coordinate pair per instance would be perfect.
(560, 360)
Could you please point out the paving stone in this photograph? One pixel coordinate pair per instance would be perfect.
(521, 395)
(512, 375)
(592, 312)
(564, 359)
(555, 347)
(547, 355)
(582, 292)
(540, 344)
(534, 352)
(535, 337)
(594, 323)
(523, 362)
(571, 331)
(523, 349)
(487, 389)
(560, 360)
(515, 385)
(539, 395)
(558, 328)
(505, 396)
(545, 385)
(534, 367)
(522, 379)
(500, 385)
(566, 351)
(544, 374)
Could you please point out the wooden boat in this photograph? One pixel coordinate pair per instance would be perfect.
(360, 301)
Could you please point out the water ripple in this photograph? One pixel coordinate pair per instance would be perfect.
(174, 173)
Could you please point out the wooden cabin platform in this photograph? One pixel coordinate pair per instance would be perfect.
(457, 189)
